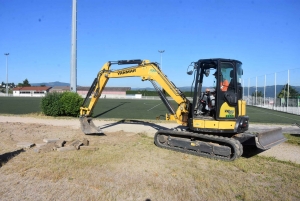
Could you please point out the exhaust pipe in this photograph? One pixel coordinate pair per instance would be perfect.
(88, 127)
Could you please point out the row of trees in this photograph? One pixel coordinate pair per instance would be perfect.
(12, 84)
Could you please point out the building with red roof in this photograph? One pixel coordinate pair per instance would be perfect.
(31, 91)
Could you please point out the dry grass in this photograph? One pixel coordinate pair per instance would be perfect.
(128, 166)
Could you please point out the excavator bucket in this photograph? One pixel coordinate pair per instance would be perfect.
(88, 127)
(267, 139)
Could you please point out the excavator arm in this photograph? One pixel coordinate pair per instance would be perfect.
(146, 71)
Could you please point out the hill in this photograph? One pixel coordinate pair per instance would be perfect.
(51, 84)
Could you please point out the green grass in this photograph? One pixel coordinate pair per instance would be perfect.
(130, 109)
(261, 115)
(292, 139)
(20, 105)
(137, 109)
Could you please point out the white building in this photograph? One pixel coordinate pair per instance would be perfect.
(31, 91)
(107, 91)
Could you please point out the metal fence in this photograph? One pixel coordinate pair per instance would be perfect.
(277, 91)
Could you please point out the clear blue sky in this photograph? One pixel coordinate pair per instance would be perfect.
(263, 34)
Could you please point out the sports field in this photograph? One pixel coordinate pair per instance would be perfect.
(136, 109)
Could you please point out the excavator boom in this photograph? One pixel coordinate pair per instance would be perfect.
(146, 71)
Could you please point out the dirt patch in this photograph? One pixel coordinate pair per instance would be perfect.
(13, 133)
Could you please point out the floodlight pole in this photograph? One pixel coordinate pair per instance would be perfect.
(6, 54)
(73, 80)
(161, 51)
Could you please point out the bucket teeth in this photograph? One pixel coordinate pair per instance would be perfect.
(88, 127)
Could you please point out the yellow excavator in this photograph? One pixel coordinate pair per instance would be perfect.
(214, 123)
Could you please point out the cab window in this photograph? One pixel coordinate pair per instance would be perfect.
(227, 76)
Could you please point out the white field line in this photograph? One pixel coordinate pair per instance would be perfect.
(154, 107)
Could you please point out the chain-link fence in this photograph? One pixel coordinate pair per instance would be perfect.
(278, 91)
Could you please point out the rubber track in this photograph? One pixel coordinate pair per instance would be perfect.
(235, 145)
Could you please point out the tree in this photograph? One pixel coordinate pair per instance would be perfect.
(12, 85)
(24, 84)
(259, 94)
(288, 92)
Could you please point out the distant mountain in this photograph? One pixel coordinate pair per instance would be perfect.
(51, 84)
(186, 88)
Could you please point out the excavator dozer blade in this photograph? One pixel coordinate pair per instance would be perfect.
(88, 127)
(267, 139)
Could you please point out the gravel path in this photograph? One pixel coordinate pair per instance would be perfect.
(284, 151)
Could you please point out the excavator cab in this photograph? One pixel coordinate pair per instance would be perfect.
(218, 104)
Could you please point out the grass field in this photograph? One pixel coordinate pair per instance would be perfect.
(137, 109)
(19, 105)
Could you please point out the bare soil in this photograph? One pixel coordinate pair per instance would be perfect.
(14, 129)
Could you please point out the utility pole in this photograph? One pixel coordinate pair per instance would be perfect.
(6, 54)
(73, 80)
(161, 51)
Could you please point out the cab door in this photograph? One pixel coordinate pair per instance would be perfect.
(226, 96)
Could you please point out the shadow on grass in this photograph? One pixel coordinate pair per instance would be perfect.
(98, 115)
(4, 158)
(250, 151)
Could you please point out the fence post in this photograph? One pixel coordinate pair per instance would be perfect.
(275, 95)
(256, 92)
(288, 92)
(248, 90)
(265, 90)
